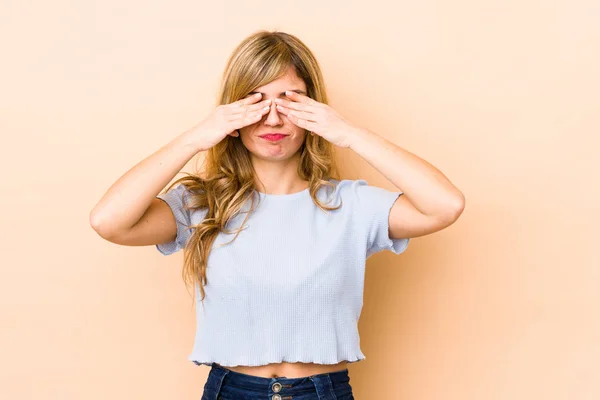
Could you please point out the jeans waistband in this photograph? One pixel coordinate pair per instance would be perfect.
(324, 384)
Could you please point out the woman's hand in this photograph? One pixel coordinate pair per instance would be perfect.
(318, 118)
(226, 119)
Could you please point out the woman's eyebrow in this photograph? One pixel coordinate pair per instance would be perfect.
(282, 94)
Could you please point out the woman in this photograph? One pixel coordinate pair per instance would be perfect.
(274, 242)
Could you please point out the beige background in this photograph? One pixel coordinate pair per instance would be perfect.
(502, 96)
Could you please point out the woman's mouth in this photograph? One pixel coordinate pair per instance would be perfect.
(273, 137)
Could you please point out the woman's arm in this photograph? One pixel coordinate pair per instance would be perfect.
(432, 202)
(129, 197)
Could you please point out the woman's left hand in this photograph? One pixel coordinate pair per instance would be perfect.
(318, 118)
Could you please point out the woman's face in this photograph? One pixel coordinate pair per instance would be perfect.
(275, 122)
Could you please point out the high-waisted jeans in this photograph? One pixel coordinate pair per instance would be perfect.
(225, 384)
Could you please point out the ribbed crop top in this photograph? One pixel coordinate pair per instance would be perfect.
(289, 288)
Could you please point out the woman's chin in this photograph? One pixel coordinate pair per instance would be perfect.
(275, 153)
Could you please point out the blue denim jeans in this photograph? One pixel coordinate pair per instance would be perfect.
(225, 384)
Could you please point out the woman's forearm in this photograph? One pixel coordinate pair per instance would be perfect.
(424, 185)
(129, 197)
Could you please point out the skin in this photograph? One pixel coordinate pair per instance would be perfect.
(276, 167)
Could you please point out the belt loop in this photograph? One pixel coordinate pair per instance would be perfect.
(323, 386)
(219, 375)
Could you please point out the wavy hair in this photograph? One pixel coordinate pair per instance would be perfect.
(228, 179)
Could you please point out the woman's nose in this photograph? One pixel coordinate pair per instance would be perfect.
(273, 117)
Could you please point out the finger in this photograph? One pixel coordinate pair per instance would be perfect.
(248, 100)
(295, 105)
(253, 107)
(298, 114)
(301, 98)
(302, 123)
(247, 112)
(240, 120)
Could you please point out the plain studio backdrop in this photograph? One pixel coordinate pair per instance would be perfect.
(501, 96)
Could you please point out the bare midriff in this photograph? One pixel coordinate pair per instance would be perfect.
(288, 370)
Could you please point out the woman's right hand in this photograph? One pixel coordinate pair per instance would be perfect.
(226, 119)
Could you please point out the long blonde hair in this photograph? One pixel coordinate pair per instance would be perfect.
(228, 180)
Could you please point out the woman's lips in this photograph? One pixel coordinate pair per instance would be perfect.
(273, 138)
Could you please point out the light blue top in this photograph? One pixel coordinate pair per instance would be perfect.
(289, 288)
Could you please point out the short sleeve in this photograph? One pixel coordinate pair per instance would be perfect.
(175, 198)
(374, 204)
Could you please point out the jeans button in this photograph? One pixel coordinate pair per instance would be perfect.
(276, 387)
(276, 397)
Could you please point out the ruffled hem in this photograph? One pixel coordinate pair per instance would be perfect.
(236, 363)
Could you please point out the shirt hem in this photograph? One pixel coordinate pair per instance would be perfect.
(238, 363)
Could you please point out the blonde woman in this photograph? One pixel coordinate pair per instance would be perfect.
(274, 242)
